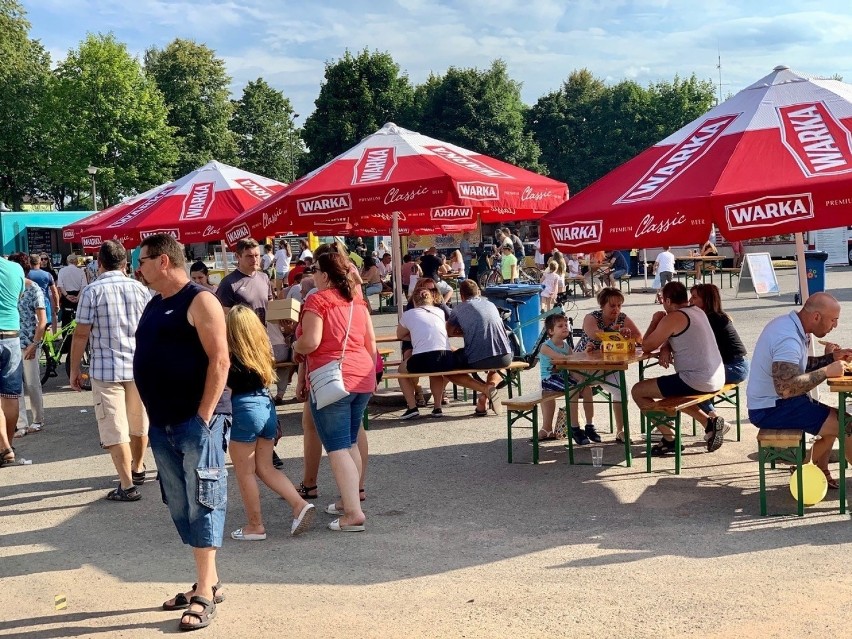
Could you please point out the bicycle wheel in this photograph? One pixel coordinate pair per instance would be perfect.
(494, 278)
(84, 362)
(46, 365)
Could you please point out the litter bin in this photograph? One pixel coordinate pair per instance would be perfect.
(815, 269)
(528, 310)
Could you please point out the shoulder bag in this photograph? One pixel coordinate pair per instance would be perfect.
(327, 380)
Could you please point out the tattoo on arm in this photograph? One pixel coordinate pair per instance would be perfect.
(819, 362)
(789, 382)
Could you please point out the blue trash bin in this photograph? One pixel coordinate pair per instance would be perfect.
(815, 269)
(527, 312)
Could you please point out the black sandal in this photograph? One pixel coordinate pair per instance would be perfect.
(181, 602)
(305, 491)
(664, 446)
(138, 478)
(7, 457)
(119, 494)
(205, 617)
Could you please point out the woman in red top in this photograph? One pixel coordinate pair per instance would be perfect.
(325, 319)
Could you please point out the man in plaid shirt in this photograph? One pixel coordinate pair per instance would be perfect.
(107, 315)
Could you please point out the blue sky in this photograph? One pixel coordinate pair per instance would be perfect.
(542, 41)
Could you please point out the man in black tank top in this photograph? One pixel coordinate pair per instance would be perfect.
(180, 366)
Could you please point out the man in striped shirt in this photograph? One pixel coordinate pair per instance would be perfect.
(107, 316)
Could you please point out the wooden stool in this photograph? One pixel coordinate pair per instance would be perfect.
(780, 445)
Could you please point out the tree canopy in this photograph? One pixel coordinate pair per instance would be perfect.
(267, 140)
(195, 85)
(359, 95)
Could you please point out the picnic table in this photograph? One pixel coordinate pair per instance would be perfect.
(843, 387)
(594, 368)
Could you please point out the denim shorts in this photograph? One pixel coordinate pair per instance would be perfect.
(190, 460)
(253, 416)
(793, 413)
(373, 289)
(736, 371)
(11, 368)
(338, 423)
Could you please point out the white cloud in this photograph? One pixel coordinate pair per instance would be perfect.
(542, 41)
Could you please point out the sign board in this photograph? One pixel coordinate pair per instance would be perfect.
(445, 243)
(833, 242)
(757, 275)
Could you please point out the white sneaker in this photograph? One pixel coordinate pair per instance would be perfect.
(35, 427)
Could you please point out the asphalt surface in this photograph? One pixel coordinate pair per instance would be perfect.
(458, 544)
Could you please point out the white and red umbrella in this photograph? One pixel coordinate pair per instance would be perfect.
(432, 186)
(775, 158)
(194, 208)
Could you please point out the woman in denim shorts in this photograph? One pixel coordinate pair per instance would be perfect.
(255, 425)
(334, 320)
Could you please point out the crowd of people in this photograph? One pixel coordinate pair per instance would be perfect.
(223, 360)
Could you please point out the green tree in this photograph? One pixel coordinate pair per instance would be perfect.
(358, 96)
(268, 142)
(587, 129)
(104, 111)
(195, 85)
(479, 110)
(24, 80)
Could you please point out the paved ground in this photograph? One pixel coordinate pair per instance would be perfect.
(459, 544)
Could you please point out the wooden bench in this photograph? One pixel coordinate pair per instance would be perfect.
(525, 408)
(670, 408)
(384, 298)
(621, 280)
(574, 282)
(780, 445)
(512, 374)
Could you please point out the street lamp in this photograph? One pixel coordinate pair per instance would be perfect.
(292, 152)
(92, 170)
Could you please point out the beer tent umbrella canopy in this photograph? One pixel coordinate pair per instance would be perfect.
(434, 187)
(775, 158)
(194, 208)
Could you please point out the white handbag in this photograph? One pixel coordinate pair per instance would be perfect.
(327, 380)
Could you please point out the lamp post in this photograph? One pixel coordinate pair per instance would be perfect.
(92, 170)
(292, 152)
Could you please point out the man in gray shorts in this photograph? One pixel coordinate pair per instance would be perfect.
(486, 345)
(683, 333)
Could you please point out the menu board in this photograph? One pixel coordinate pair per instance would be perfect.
(39, 241)
(758, 275)
(833, 242)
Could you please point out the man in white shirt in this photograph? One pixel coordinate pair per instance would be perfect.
(70, 280)
(281, 262)
(664, 266)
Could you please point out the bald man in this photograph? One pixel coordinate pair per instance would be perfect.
(782, 374)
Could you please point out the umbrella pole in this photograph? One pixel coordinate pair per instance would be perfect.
(644, 268)
(225, 257)
(396, 256)
(801, 268)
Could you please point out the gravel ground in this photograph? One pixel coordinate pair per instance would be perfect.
(459, 543)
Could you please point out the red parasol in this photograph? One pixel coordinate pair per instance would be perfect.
(433, 186)
(776, 158)
(194, 208)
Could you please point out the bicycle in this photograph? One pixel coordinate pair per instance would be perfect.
(494, 276)
(514, 327)
(54, 347)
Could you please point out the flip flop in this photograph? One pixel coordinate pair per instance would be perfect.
(479, 413)
(304, 520)
(239, 535)
(337, 527)
(332, 509)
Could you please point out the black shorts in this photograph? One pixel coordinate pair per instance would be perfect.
(431, 362)
(494, 363)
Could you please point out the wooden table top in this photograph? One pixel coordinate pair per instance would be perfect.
(598, 360)
(701, 258)
(838, 384)
(383, 339)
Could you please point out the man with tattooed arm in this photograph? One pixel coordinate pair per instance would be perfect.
(782, 373)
